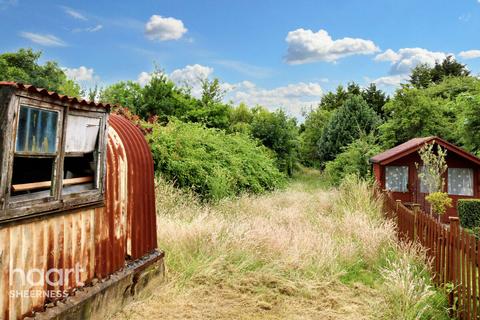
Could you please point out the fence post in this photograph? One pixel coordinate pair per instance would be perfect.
(416, 209)
(452, 257)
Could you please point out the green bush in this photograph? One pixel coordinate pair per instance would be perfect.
(211, 162)
(469, 213)
(353, 160)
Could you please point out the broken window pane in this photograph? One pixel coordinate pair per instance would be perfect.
(32, 175)
(79, 173)
(82, 133)
(36, 131)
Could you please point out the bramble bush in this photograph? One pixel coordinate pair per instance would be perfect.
(211, 162)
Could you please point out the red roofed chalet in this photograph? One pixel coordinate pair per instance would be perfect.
(396, 171)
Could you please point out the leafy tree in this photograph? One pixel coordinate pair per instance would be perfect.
(354, 159)
(241, 118)
(413, 113)
(334, 100)
(22, 66)
(439, 110)
(375, 98)
(346, 124)
(210, 110)
(423, 75)
(125, 93)
(212, 92)
(279, 133)
(469, 121)
(161, 98)
(313, 126)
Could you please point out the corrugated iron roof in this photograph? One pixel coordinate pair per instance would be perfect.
(415, 144)
(54, 95)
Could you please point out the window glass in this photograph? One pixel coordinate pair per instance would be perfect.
(396, 178)
(423, 186)
(35, 154)
(36, 131)
(460, 181)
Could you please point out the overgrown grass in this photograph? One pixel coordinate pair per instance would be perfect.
(304, 252)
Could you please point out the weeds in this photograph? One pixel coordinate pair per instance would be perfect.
(304, 252)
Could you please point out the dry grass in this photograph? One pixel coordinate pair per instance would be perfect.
(301, 253)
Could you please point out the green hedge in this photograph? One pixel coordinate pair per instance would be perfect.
(469, 213)
(211, 162)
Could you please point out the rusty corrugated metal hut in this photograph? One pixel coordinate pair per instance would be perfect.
(76, 193)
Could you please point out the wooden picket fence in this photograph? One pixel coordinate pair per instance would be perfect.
(454, 253)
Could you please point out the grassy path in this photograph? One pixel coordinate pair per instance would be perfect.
(306, 252)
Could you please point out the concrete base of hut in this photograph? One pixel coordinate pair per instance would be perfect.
(107, 297)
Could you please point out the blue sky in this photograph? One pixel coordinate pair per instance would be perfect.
(276, 53)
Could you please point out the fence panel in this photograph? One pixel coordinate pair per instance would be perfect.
(453, 251)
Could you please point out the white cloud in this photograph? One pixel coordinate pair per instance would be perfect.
(391, 81)
(96, 28)
(46, 40)
(470, 54)
(80, 74)
(191, 76)
(403, 61)
(306, 46)
(74, 14)
(406, 59)
(163, 29)
(292, 98)
(144, 78)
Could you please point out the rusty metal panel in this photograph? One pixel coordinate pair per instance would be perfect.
(141, 232)
(112, 222)
(62, 242)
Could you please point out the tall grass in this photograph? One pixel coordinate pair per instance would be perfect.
(304, 252)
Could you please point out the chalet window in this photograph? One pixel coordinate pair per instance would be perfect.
(36, 153)
(460, 181)
(396, 178)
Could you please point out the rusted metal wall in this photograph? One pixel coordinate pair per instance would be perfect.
(60, 242)
(99, 241)
(141, 231)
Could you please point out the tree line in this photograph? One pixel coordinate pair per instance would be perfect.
(338, 135)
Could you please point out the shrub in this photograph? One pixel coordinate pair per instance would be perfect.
(211, 162)
(353, 160)
(469, 213)
(439, 201)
